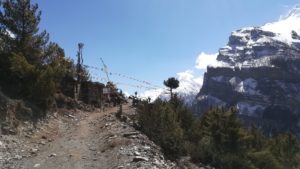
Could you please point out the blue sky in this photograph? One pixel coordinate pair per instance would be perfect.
(151, 40)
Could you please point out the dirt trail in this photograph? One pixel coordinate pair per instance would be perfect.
(93, 140)
(72, 149)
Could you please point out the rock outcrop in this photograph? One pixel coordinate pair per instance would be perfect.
(260, 76)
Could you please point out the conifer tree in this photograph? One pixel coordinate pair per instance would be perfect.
(19, 22)
(32, 66)
(171, 83)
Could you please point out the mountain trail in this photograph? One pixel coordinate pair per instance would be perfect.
(85, 140)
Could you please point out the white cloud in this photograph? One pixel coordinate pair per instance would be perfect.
(199, 80)
(188, 75)
(204, 60)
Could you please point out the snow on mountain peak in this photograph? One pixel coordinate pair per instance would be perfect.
(256, 46)
(189, 86)
(285, 26)
(294, 12)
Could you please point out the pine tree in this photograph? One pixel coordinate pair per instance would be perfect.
(22, 51)
(171, 83)
(19, 22)
(32, 66)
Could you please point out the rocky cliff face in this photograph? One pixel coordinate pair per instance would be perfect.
(260, 75)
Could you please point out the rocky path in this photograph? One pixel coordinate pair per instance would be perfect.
(85, 140)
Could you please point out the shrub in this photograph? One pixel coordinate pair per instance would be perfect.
(265, 159)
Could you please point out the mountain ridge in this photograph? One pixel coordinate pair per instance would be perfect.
(258, 74)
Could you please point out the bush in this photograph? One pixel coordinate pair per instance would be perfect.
(265, 159)
(286, 149)
(203, 151)
(232, 161)
(162, 123)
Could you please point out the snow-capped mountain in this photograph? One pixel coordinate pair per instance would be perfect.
(256, 46)
(188, 86)
(260, 74)
(188, 89)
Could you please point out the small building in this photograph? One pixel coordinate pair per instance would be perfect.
(111, 94)
(88, 92)
(107, 94)
(91, 93)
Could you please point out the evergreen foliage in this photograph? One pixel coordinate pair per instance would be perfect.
(171, 83)
(31, 67)
(165, 122)
(217, 138)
